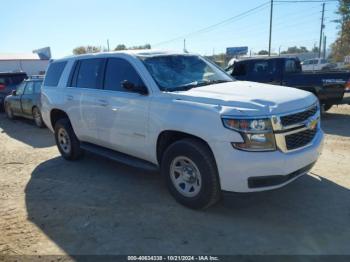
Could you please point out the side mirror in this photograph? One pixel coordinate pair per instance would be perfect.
(13, 92)
(134, 88)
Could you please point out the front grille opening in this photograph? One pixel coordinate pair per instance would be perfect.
(298, 117)
(300, 139)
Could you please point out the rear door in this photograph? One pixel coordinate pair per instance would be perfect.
(84, 86)
(264, 71)
(27, 99)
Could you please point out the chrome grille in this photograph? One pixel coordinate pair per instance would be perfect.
(296, 130)
(298, 117)
(300, 139)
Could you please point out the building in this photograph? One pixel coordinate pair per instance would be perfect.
(31, 63)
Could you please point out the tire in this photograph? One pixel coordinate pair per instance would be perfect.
(66, 140)
(38, 120)
(191, 175)
(9, 112)
(327, 107)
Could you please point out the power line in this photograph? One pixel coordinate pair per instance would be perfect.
(208, 28)
(306, 1)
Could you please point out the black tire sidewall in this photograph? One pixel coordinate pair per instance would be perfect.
(207, 170)
(75, 150)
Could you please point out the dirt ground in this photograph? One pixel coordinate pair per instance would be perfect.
(95, 206)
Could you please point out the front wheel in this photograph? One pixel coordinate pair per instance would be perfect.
(66, 140)
(190, 172)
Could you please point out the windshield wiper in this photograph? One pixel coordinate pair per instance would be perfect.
(195, 84)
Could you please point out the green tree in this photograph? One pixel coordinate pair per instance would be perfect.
(295, 50)
(123, 47)
(86, 50)
(341, 46)
(263, 52)
(315, 49)
(120, 47)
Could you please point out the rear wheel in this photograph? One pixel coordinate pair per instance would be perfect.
(37, 117)
(9, 112)
(189, 169)
(66, 140)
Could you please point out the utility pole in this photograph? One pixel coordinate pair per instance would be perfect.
(324, 46)
(108, 45)
(270, 38)
(322, 26)
(185, 51)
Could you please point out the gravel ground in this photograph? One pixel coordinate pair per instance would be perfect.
(95, 206)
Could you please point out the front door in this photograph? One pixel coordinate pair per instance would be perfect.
(16, 100)
(122, 114)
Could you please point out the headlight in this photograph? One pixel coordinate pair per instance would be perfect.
(256, 133)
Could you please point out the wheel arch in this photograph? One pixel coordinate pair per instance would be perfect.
(168, 137)
(57, 114)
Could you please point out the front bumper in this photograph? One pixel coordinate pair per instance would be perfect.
(237, 169)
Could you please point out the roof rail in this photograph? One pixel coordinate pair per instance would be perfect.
(36, 77)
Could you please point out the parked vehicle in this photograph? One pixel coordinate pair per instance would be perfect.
(329, 87)
(184, 115)
(316, 64)
(25, 101)
(8, 82)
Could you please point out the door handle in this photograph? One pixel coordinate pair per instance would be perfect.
(69, 97)
(102, 102)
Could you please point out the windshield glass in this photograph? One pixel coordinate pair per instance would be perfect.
(183, 72)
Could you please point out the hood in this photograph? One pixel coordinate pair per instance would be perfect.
(241, 97)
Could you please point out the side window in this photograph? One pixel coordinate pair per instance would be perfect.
(20, 89)
(290, 66)
(260, 68)
(54, 73)
(117, 71)
(323, 61)
(88, 73)
(239, 69)
(29, 88)
(37, 87)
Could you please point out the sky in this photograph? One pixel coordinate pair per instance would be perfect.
(65, 24)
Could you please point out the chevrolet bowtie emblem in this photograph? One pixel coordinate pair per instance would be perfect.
(312, 124)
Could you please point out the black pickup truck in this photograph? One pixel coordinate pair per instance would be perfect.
(329, 87)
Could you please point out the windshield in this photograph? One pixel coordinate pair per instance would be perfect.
(183, 72)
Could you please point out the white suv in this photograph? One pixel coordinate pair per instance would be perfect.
(180, 113)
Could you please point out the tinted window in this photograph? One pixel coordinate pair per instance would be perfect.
(290, 66)
(239, 70)
(119, 70)
(54, 73)
(12, 79)
(37, 87)
(260, 68)
(18, 79)
(29, 88)
(264, 67)
(89, 73)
